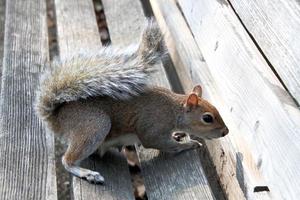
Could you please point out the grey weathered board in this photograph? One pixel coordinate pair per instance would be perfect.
(189, 62)
(166, 176)
(264, 122)
(27, 168)
(2, 16)
(78, 33)
(275, 26)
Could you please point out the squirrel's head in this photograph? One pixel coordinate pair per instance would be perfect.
(202, 119)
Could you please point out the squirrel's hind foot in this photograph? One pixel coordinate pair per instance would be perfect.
(89, 175)
(93, 177)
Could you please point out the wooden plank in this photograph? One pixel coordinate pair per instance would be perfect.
(187, 60)
(261, 116)
(78, 34)
(275, 26)
(166, 177)
(27, 169)
(2, 17)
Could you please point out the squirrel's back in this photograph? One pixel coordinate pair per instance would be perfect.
(112, 72)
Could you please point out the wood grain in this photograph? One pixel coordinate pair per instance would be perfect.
(192, 69)
(2, 18)
(117, 180)
(78, 33)
(275, 27)
(166, 176)
(262, 118)
(27, 169)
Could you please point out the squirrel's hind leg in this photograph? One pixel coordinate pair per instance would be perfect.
(83, 141)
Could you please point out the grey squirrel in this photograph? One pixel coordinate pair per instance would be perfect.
(103, 100)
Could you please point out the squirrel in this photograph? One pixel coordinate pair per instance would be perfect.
(102, 101)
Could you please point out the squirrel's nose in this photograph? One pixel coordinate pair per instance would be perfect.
(224, 131)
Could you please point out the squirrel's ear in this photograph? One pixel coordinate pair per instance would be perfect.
(198, 90)
(192, 100)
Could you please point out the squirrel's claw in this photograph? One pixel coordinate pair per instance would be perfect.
(197, 142)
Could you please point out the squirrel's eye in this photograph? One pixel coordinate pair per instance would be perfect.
(207, 118)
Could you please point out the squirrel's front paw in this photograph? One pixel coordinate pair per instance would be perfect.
(183, 138)
(94, 177)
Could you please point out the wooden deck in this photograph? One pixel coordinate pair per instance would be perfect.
(245, 54)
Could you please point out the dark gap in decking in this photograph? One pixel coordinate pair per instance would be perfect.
(2, 20)
(172, 74)
(261, 189)
(63, 178)
(52, 36)
(211, 173)
(262, 53)
(188, 25)
(101, 22)
(147, 8)
(135, 172)
(206, 161)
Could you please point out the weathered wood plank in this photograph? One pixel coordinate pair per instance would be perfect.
(78, 33)
(187, 60)
(2, 17)
(275, 26)
(260, 114)
(27, 169)
(166, 177)
(191, 68)
(113, 166)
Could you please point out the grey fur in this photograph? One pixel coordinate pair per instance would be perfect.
(113, 72)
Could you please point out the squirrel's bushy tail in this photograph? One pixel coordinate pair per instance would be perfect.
(151, 46)
(111, 72)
